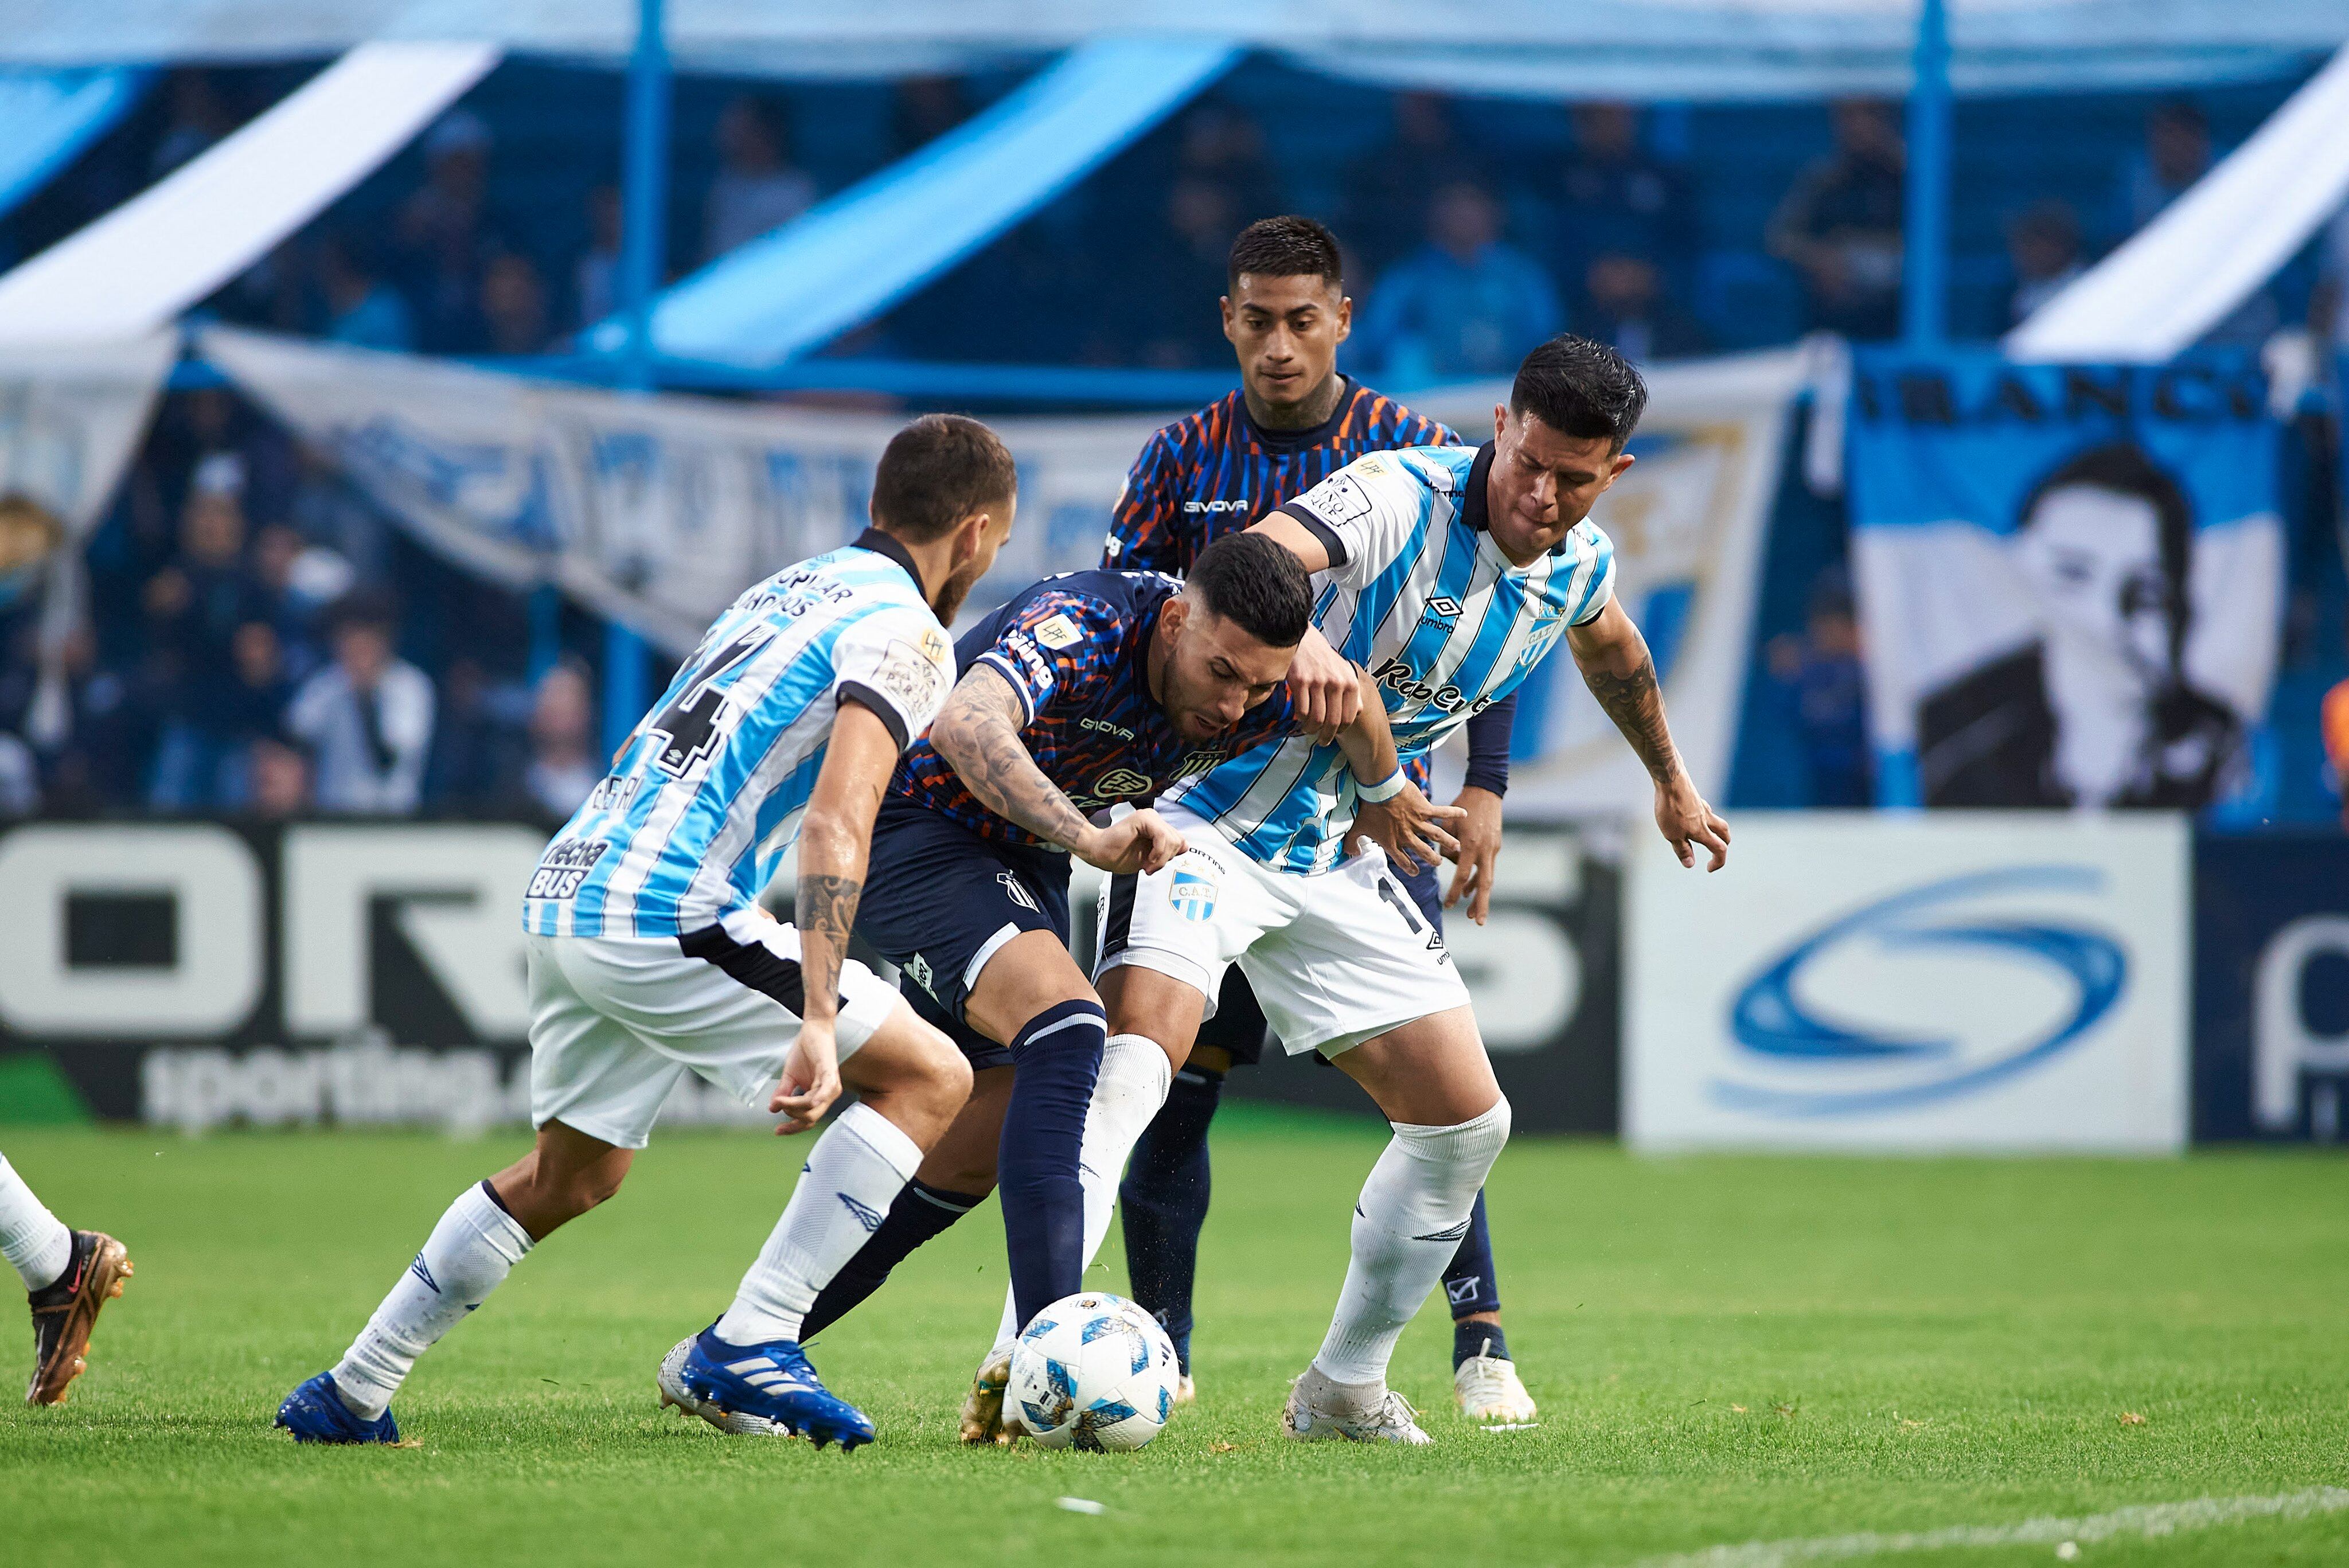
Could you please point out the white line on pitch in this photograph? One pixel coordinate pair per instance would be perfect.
(2145, 1519)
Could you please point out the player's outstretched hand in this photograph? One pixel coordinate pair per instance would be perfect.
(1687, 822)
(1324, 688)
(1480, 848)
(1144, 841)
(1412, 829)
(811, 1079)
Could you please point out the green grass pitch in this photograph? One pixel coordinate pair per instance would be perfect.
(1726, 1350)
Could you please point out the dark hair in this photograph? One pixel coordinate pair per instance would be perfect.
(938, 470)
(2123, 469)
(1287, 246)
(1580, 389)
(363, 607)
(1256, 584)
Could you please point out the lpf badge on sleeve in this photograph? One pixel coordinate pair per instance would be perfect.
(1192, 896)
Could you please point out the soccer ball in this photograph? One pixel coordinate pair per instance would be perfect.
(1093, 1371)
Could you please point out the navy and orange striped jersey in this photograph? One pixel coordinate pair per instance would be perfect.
(1076, 648)
(1218, 470)
(1215, 472)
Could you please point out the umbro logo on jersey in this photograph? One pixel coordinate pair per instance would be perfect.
(870, 1217)
(1017, 892)
(1441, 608)
(1196, 507)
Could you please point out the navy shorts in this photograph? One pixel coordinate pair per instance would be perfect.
(939, 900)
(1238, 1025)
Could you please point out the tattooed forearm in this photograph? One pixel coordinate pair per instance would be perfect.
(824, 911)
(1635, 703)
(979, 733)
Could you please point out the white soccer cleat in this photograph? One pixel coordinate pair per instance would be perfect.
(1319, 1408)
(1490, 1391)
(675, 1394)
(671, 1378)
(983, 1416)
(1186, 1391)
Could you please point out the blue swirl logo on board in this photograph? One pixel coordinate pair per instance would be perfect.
(1823, 1066)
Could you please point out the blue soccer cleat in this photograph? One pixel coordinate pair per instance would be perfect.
(769, 1390)
(315, 1413)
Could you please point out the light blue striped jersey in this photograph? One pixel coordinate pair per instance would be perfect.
(1419, 595)
(708, 794)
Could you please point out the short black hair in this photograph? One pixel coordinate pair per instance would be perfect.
(2124, 468)
(1254, 582)
(1286, 246)
(938, 470)
(1580, 389)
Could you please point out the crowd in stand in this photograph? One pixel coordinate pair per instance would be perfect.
(262, 639)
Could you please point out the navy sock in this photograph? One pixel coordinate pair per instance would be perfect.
(920, 1212)
(1164, 1202)
(1055, 1058)
(1477, 1339)
(1468, 1282)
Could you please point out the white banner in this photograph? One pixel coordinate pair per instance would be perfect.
(1995, 981)
(71, 416)
(657, 511)
(1689, 520)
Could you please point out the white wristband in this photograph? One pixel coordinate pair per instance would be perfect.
(1386, 789)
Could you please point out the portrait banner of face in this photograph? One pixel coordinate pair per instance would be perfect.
(2071, 578)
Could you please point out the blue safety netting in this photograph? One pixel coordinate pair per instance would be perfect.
(1688, 49)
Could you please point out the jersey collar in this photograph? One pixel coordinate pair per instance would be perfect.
(1471, 504)
(1313, 435)
(882, 544)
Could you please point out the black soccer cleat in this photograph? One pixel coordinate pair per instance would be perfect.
(65, 1313)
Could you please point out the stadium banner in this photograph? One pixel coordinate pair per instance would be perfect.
(2071, 577)
(2271, 986)
(1995, 981)
(71, 418)
(658, 510)
(199, 973)
(1689, 520)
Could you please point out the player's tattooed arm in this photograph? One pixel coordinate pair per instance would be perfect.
(836, 841)
(978, 731)
(1621, 672)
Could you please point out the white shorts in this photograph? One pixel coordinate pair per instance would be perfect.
(615, 1022)
(1334, 960)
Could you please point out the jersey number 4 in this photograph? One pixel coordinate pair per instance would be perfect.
(688, 728)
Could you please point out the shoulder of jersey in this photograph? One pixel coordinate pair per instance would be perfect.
(1443, 468)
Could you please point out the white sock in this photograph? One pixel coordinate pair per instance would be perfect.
(854, 1172)
(1127, 1095)
(31, 1238)
(1407, 1225)
(469, 1254)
